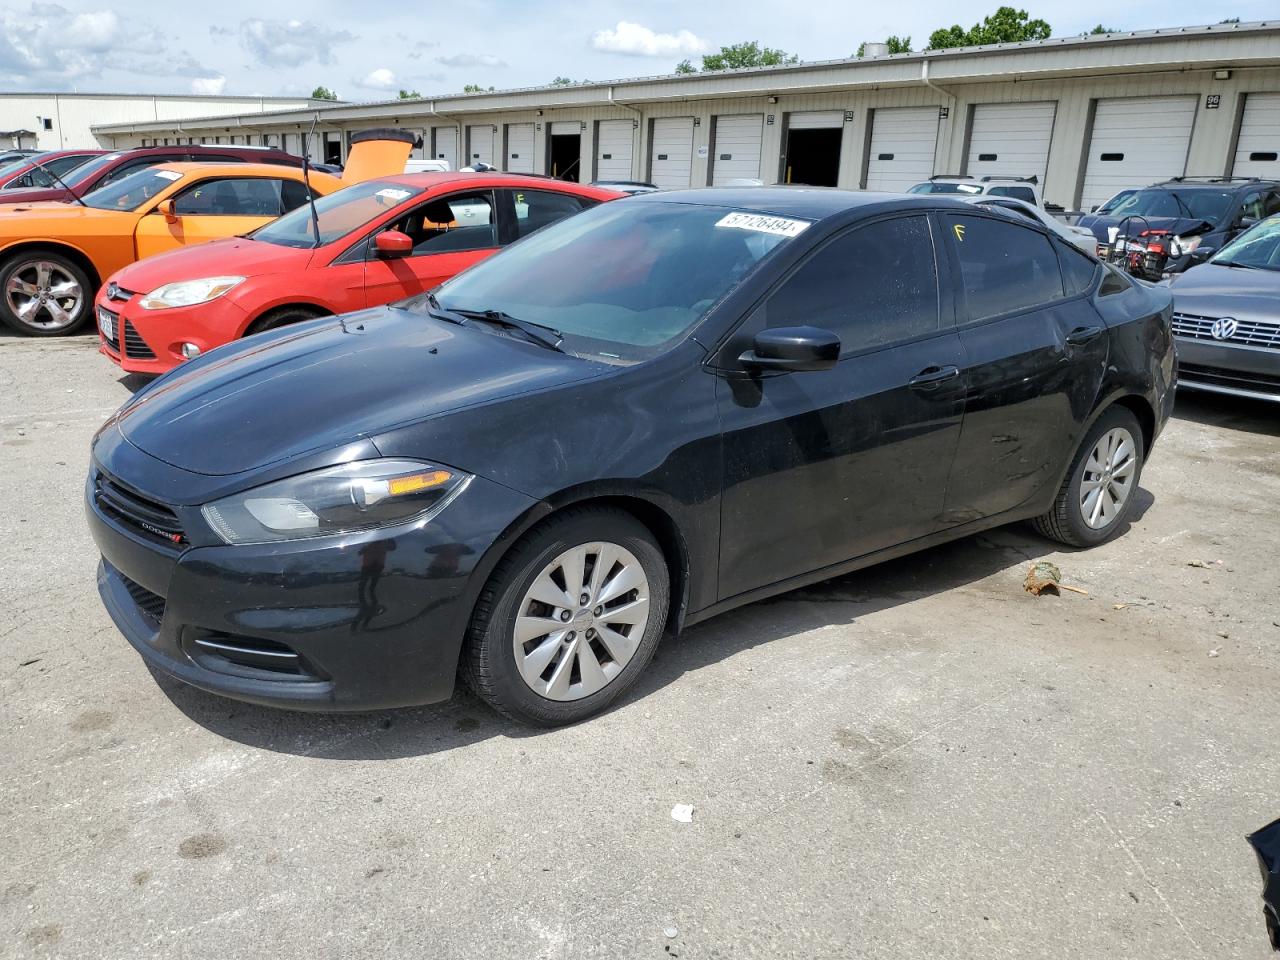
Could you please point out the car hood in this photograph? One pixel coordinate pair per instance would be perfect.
(1102, 224)
(1212, 290)
(34, 195)
(331, 382)
(234, 257)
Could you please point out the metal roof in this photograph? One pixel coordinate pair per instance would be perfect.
(1128, 51)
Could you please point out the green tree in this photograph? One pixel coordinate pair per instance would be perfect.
(749, 54)
(895, 45)
(684, 66)
(561, 82)
(323, 93)
(1006, 25)
(410, 95)
(475, 88)
(1101, 29)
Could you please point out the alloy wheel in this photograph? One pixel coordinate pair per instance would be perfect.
(581, 620)
(44, 295)
(1108, 478)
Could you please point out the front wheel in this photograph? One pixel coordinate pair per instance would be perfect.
(44, 294)
(570, 618)
(1098, 494)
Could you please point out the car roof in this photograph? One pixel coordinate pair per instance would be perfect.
(239, 169)
(807, 203)
(1216, 183)
(489, 178)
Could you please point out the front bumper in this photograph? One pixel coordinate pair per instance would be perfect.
(150, 341)
(1236, 370)
(366, 621)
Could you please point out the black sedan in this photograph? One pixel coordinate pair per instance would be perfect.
(1227, 317)
(649, 413)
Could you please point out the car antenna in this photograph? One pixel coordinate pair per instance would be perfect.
(74, 196)
(306, 179)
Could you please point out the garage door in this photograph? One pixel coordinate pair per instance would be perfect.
(1258, 149)
(520, 147)
(815, 120)
(447, 145)
(1136, 141)
(480, 144)
(903, 140)
(1011, 139)
(671, 153)
(613, 149)
(736, 154)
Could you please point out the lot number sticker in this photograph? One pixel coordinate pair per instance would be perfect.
(759, 223)
(169, 174)
(390, 194)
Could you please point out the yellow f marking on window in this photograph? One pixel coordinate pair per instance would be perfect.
(959, 229)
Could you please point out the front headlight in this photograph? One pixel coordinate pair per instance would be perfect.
(352, 497)
(1181, 246)
(187, 293)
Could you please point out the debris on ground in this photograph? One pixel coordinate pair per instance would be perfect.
(1213, 653)
(670, 933)
(1204, 564)
(1043, 577)
(682, 813)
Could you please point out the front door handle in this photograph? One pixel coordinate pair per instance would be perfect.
(1082, 335)
(930, 378)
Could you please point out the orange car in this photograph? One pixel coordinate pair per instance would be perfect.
(53, 256)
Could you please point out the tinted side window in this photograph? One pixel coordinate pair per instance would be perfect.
(1018, 193)
(231, 197)
(1113, 282)
(1078, 270)
(874, 285)
(292, 195)
(536, 209)
(1003, 267)
(134, 166)
(451, 224)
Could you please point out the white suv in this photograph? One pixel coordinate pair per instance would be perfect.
(1026, 189)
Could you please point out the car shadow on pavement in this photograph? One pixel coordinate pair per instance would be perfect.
(465, 720)
(1230, 413)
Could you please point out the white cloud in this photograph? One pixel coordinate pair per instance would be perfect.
(636, 40)
(209, 86)
(287, 43)
(48, 42)
(380, 79)
(471, 60)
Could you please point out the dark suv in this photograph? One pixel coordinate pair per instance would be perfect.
(112, 166)
(1200, 215)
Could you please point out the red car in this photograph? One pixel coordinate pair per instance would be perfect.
(110, 167)
(39, 169)
(380, 241)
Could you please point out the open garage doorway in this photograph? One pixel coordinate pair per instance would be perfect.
(564, 151)
(813, 157)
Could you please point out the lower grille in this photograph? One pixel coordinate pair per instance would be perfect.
(1222, 377)
(134, 346)
(146, 516)
(1250, 333)
(151, 604)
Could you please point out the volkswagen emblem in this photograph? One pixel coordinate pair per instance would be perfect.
(1224, 328)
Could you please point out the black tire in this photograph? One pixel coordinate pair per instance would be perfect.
(282, 318)
(489, 661)
(23, 266)
(1065, 521)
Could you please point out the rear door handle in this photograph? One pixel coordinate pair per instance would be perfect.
(1082, 335)
(930, 378)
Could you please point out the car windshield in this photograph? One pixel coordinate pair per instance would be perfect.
(1115, 201)
(945, 187)
(1259, 246)
(624, 281)
(1207, 205)
(13, 166)
(339, 214)
(132, 191)
(87, 171)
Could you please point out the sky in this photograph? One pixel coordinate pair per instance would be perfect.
(372, 49)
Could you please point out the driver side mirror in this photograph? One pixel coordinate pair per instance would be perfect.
(168, 210)
(792, 348)
(1245, 222)
(392, 244)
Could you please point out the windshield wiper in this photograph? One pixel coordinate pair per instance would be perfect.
(537, 333)
(1238, 265)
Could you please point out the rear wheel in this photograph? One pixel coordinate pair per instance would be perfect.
(1098, 494)
(44, 294)
(570, 618)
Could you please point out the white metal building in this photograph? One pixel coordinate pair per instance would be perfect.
(1086, 115)
(53, 121)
